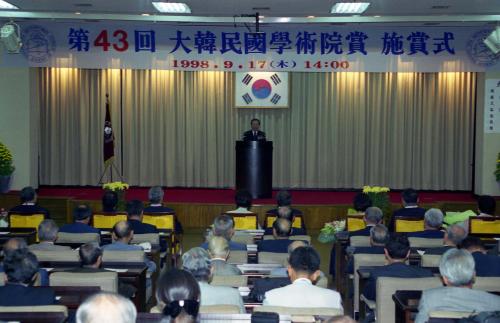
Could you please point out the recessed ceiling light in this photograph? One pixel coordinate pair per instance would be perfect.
(172, 7)
(349, 7)
(6, 5)
(284, 19)
(311, 17)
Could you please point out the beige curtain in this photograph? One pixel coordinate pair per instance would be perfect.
(342, 130)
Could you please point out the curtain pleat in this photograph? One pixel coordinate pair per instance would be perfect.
(342, 130)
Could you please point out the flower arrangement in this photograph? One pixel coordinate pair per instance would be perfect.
(330, 230)
(6, 167)
(115, 186)
(497, 171)
(380, 198)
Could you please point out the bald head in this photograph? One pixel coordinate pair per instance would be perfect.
(218, 247)
(122, 232)
(282, 228)
(296, 244)
(285, 212)
(106, 307)
(14, 244)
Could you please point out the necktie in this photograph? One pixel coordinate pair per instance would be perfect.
(255, 133)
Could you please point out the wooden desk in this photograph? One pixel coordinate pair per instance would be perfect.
(340, 262)
(154, 318)
(135, 275)
(33, 317)
(73, 296)
(406, 305)
(27, 234)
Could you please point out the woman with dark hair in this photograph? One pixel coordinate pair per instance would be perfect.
(178, 290)
(361, 202)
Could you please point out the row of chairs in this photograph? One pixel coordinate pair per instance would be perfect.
(483, 225)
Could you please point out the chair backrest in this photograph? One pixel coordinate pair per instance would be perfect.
(355, 222)
(408, 224)
(425, 242)
(47, 313)
(488, 225)
(230, 281)
(104, 220)
(244, 221)
(360, 260)
(64, 237)
(360, 241)
(243, 237)
(297, 221)
(387, 286)
(488, 284)
(152, 238)
(107, 281)
(57, 256)
(272, 257)
(448, 315)
(299, 311)
(132, 256)
(31, 221)
(430, 260)
(237, 257)
(220, 309)
(162, 221)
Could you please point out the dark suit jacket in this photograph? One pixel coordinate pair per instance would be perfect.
(124, 289)
(232, 246)
(295, 212)
(363, 232)
(397, 270)
(141, 228)
(416, 212)
(78, 227)
(19, 295)
(295, 232)
(31, 209)
(364, 250)
(248, 136)
(486, 265)
(429, 234)
(279, 245)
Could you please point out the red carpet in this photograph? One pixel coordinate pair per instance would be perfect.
(225, 196)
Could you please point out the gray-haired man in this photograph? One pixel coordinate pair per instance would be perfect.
(47, 234)
(433, 220)
(458, 272)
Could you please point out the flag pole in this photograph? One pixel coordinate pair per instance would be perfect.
(109, 146)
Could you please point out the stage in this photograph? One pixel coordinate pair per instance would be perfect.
(197, 207)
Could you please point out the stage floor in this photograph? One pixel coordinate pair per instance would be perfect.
(226, 196)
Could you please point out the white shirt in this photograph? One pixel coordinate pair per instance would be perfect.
(240, 210)
(302, 293)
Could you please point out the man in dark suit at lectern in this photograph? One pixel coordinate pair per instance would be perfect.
(254, 134)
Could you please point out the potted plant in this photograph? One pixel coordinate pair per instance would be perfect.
(380, 198)
(6, 168)
(497, 171)
(119, 188)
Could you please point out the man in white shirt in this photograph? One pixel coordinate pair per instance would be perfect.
(303, 270)
(243, 200)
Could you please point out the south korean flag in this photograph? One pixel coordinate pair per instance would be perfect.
(261, 90)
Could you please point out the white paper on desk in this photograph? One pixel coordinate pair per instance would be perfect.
(49, 269)
(421, 252)
(105, 232)
(58, 298)
(117, 270)
(497, 239)
(4, 232)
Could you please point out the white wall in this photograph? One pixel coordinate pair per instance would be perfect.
(18, 125)
(487, 145)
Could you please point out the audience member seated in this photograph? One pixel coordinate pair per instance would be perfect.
(243, 200)
(28, 204)
(397, 251)
(303, 270)
(486, 205)
(453, 237)
(379, 235)
(281, 232)
(284, 199)
(179, 294)
(47, 234)
(122, 235)
(283, 271)
(224, 227)
(17, 243)
(457, 271)
(361, 202)
(286, 212)
(409, 199)
(91, 262)
(197, 262)
(106, 307)
(373, 216)
(218, 248)
(21, 267)
(81, 217)
(109, 201)
(155, 196)
(135, 215)
(340, 319)
(433, 221)
(486, 265)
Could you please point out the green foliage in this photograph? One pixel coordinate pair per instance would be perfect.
(497, 171)
(6, 167)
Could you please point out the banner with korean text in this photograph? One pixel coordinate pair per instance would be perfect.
(304, 48)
